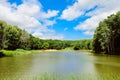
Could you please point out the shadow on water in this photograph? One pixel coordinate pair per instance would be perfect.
(1, 54)
(107, 67)
(16, 67)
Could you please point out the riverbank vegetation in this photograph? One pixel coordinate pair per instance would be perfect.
(103, 76)
(8, 53)
(54, 76)
(12, 38)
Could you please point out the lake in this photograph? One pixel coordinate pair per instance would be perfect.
(62, 64)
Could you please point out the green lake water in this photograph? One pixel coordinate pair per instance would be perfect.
(62, 64)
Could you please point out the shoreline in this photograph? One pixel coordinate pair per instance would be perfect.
(8, 53)
(54, 50)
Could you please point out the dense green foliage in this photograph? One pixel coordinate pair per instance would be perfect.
(83, 44)
(12, 38)
(2, 26)
(107, 35)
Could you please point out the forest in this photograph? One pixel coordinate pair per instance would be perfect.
(12, 38)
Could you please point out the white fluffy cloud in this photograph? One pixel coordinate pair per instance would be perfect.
(49, 14)
(71, 13)
(90, 24)
(104, 9)
(28, 15)
(48, 36)
(78, 9)
(22, 15)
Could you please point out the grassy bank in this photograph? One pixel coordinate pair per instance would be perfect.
(46, 76)
(17, 52)
(103, 76)
(4, 53)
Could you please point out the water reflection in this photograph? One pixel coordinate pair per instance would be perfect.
(107, 64)
(18, 66)
(60, 63)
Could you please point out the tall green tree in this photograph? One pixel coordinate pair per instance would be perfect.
(107, 35)
(24, 40)
(12, 37)
(2, 33)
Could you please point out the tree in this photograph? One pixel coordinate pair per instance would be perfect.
(24, 40)
(35, 43)
(45, 45)
(83, 44)
(12, 37)
(2, 33)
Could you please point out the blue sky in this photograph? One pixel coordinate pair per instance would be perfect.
(53, 19)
